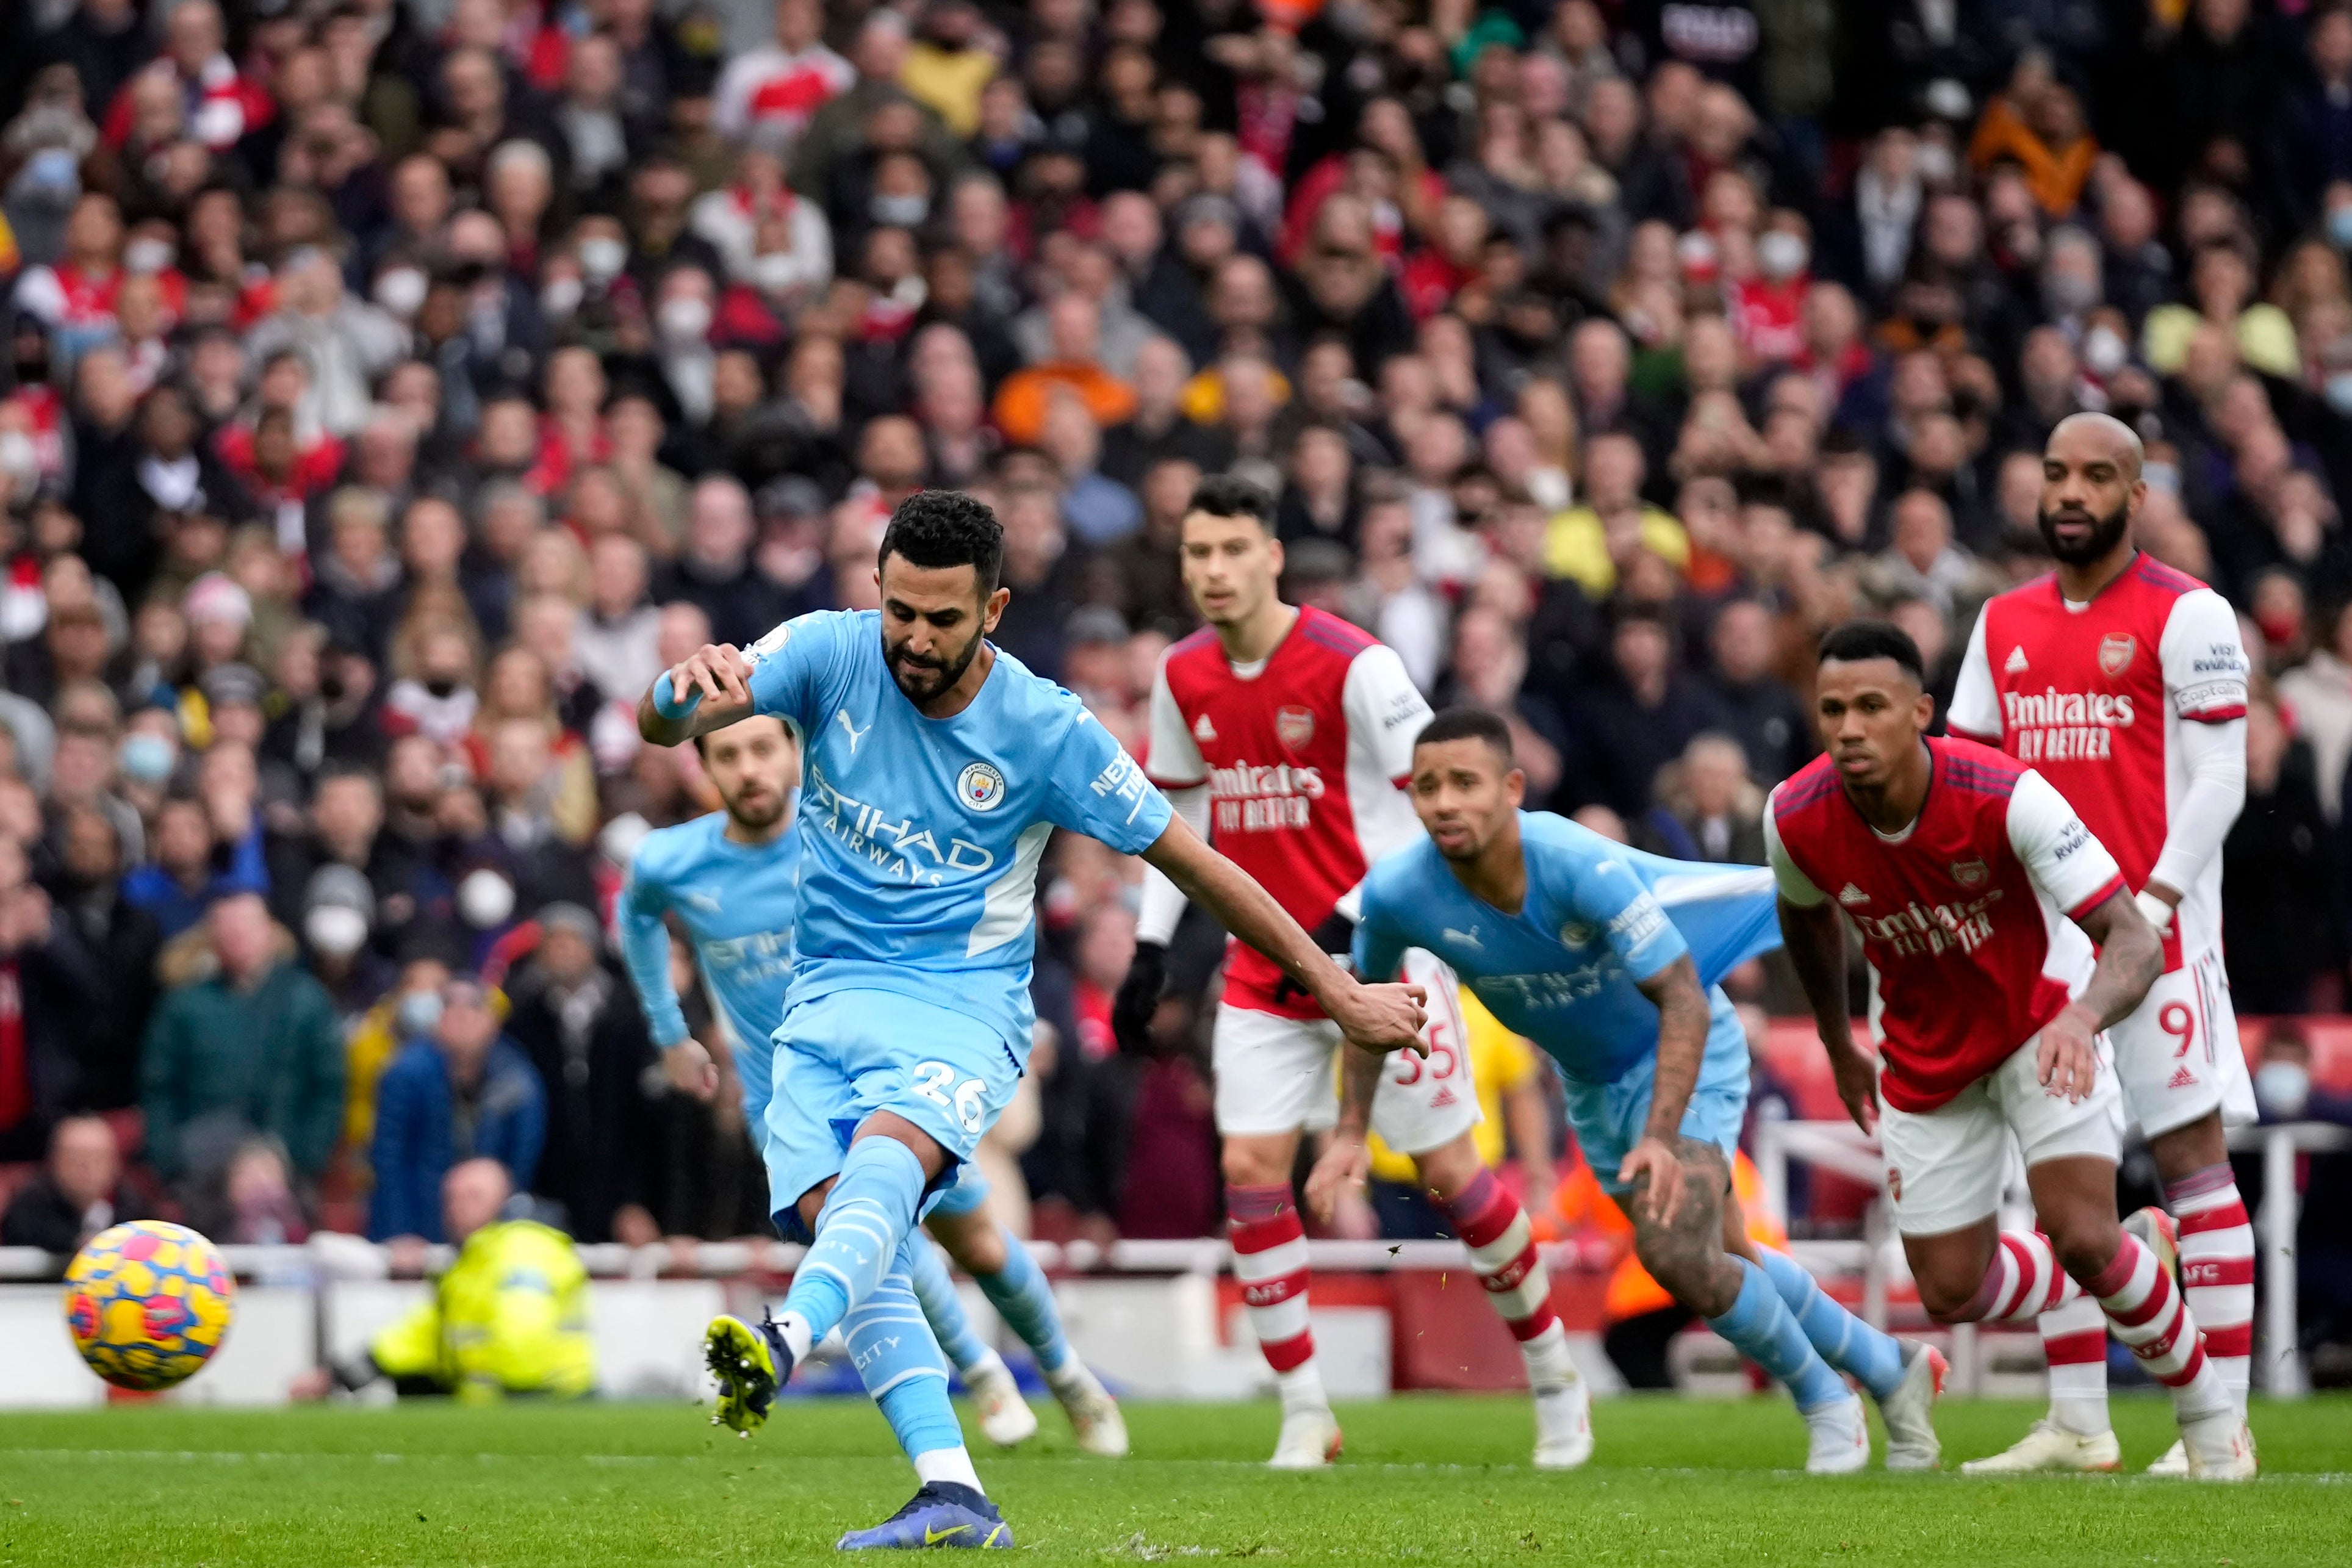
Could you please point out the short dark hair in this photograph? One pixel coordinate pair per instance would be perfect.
(1469, 724)
(947, 528)
(1858, 640)
(1229, 495)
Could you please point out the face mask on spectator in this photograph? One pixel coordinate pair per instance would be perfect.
(900, 212)
(2339, 392)
(2104, 351)
(561, 298)
(2282, 1088)
(418, 1012)
(602, 258)
(336, 930)
(1781, 255)
(19, 459)
(1935, 162)
(148, 758)
(148, 255)
(401, 291)
(54, 172)
(2339, 228)
(2162, 477)
(485, 898)
(685, 321)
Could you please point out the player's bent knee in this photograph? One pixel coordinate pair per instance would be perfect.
(1447, 1170)
(1256, 1161)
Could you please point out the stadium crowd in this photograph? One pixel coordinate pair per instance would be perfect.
(394, 386)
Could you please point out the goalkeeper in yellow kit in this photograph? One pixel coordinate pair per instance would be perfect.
(511, 1317)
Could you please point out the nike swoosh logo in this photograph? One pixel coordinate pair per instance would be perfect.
(933, 1537)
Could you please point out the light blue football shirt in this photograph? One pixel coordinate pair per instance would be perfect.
(1597, 919)
(737, 902)
(921, 837)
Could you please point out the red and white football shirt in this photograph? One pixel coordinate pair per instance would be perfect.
(771, 87)
(1967, 916)
(1305, 755)
(2093, 696)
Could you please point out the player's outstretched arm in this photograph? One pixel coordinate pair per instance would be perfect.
(1814, 937)
(709, 690)
(2131, 957)
(1378, 1018)
(1682, 1022)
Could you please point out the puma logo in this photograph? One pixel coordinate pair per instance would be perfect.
(852, 730)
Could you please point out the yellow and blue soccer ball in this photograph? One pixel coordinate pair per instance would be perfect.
(148, 1303)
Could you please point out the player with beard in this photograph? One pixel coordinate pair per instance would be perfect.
(731, 879)
(2123, 682)
(935, 769)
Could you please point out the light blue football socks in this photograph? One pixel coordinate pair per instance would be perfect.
(1023, 1297)
(951, 1324)
(1761, 1324)
(865, 1219)
(1845, 1340)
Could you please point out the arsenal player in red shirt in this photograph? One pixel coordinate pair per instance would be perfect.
(1285, 736)
(1979, 894)
(2123, 682)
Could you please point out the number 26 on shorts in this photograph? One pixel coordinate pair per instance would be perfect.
(968, 1100)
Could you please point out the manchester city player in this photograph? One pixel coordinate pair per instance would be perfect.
(1608, 959)
(936, 768)
(732, 879)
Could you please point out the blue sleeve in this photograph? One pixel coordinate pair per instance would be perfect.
(1379, 949)
(645, 950)
(790, 665)
(1604, 890)
(1099, 791)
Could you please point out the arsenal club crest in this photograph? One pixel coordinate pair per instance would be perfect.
(2116, 650)
(1293, 725)
(1970, 873)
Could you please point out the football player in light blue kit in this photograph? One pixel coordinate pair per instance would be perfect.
(732, 879)
(935, 769)
(1608, 959)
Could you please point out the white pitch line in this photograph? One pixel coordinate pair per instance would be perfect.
(240, 1456)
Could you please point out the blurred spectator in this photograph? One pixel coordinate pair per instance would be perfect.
(459, 1092)
(244, 1041)
(573, 1018)
(79, 1191)
(2279, 871)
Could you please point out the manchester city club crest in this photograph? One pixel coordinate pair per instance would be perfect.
(2116, 650)
(1970, 873)
(981, 787)
(1293, 725)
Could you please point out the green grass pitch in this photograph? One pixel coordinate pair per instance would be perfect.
(1436, 1477)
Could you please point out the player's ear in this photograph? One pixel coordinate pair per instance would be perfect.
(993, 610)
(1923, 708)
(1515, 787)
(1272, 549)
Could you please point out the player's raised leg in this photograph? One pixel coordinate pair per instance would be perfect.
(1009, 1277)
(1005, 1419)
(1491, 1224)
